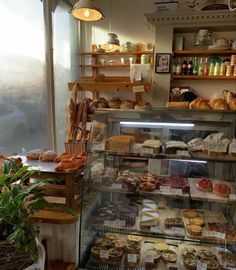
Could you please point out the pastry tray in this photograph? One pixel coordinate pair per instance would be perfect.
(197, 194)
(202, 156)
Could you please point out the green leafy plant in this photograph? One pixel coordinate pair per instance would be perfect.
(19, 201)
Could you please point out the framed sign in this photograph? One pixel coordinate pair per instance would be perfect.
(163, 63)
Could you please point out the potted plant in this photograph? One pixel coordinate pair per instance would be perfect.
(19, 247)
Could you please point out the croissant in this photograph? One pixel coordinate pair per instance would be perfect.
(218, 104)
(200, 104)
(232, 104)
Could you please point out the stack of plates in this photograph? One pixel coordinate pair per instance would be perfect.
(219, 47)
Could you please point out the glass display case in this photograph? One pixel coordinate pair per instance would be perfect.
(159, 190)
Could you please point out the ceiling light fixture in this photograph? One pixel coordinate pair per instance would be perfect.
(86, 10)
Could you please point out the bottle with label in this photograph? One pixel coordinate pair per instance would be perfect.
(206, 68)
(179, 68)
(217, 69)
(190, 67)
(201, 68)
(195, 66)
(222, 69)
(185, 68)
(211, 68)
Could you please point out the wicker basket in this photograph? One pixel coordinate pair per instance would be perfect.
(76, 147)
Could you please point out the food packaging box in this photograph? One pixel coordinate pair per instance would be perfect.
(166, 6)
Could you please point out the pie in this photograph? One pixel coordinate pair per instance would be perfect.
(221, 190)
(205, 185)
(169, 256)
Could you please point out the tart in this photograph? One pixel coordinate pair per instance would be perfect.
(227, 259)
(133, 246)
(135, 238)
(104, 242)
(95, 251)
(119, 243)
(190, 261)
(194, 229)
(221, 190)
(169, 256)
(190, 213)
(115, 254)
(205, 185)
(187, 251)
(111, 236)
(197, 221)
(148, 186)
(161, 246)
(205, 253)
(155, 253)
(211, 263)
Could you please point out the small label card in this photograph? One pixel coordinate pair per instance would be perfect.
(219, 235)
(207, 233)
(116, 186)
(139, 88)
(165, 188)
(178, 230)
(120, 223)
(156, 229)
(176, 191)
(146, 151)
(182, 153)
(149, 259)
(104, 254)
(201, 266)
(232, 196)
(99, 146)
(108, 223)
(132, 258)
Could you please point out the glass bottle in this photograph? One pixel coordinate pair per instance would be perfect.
(217, 69)
(211, 68)
(185, 67)
(206, 68)
(179, 68)
(222, 69)
(190, 67)
(195, 66)
(201, 68)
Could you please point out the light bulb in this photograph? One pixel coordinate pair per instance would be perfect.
(87, 13)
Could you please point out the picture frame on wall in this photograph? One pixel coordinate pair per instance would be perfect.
(162, 62)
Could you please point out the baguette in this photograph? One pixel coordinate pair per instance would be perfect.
(180, 105)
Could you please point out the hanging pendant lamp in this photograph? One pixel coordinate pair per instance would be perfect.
(86, 10)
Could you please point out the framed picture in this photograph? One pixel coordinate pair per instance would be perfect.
(163, 63)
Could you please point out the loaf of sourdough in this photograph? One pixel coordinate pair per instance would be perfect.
(232, 104)
(218, 104)
(200, 104)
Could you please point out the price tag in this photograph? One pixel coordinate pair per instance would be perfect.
(139, 88)
(116, 186)
(165, 188)
(149, 258)
(207, 233)
(108, 223)
(104, 254)
(178, 230)
(120, 223)
(99, 147)
(182, 153)
(132, 258)
(156, 229)
(176, 191)
(232, 196)
(146, 151)
(219, 235)
(201, 266)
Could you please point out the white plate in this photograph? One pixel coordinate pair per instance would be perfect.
(219, 47)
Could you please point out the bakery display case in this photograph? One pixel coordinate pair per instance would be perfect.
(159, 190)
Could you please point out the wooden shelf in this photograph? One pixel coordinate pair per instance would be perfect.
(117, 53)
(204, 52)
(195, 77)
(106, 66)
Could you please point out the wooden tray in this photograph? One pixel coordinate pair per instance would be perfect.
(197, 194)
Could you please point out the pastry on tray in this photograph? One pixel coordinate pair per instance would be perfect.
(227, 259)
(197, 221)
(119, 243)
(142, 105)
(70, 165)
(190, 261)
(133, 247)
(34, 154)
(171, 147)
(147, 186)
(127, 104)
(179, 105)
(222, 190)
(149, 177)
(173, 222)
(205, 185)
(194, 229)
(205, 253)
(191, 213)
(115, 254)
(155, 254)
(169, 256)
(104, 242)
(211, 263)
(200, 104)
(100, 103)
(135, 238)
(95, 251)
(64, 156)
(155, 145)
(47, 156)
(161, 246)
(218, 104)
(196, 145)
(114, 103)
(111, 236)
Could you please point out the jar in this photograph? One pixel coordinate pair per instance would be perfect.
(211, 69)
(229, 70)
(217, 69)
(145, 59)
(222, 69)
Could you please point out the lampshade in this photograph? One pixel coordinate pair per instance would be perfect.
(113, 43)
(86, 10)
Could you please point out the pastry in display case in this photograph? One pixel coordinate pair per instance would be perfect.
(159, 190)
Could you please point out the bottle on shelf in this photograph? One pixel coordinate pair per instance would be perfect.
(190, 67)
(211, 68)
(217, 69)
(206, 68)
(195, 66)
(222, 69)
(179, 68)
(201, 68)
(185, 68)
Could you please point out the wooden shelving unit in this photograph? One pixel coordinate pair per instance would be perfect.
(118, 53)
(106, 66)
(204, 52)
(196, 77)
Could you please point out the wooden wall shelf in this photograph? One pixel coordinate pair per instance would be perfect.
(193, 77)
(204, 52)
(117, 53)
(106, 66)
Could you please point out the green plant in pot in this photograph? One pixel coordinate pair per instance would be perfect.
(19, 201)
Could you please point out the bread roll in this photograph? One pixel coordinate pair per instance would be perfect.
(100, 103)
(232, 104)
(114, 103)
(128, 104)
(141, 105)
(183, 105)
(200, 104)
(218, 104)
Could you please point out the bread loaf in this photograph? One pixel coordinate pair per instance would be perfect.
(218, 104)
(200, 104)
(183, 105)
(232, 104)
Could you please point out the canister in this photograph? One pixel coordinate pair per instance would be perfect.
(145, 59)
(229, 70)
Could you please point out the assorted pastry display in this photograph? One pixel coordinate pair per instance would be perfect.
(71, 165)
(149, 216)
(120, 143)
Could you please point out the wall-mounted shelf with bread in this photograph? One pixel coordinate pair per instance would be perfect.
(193, 77)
